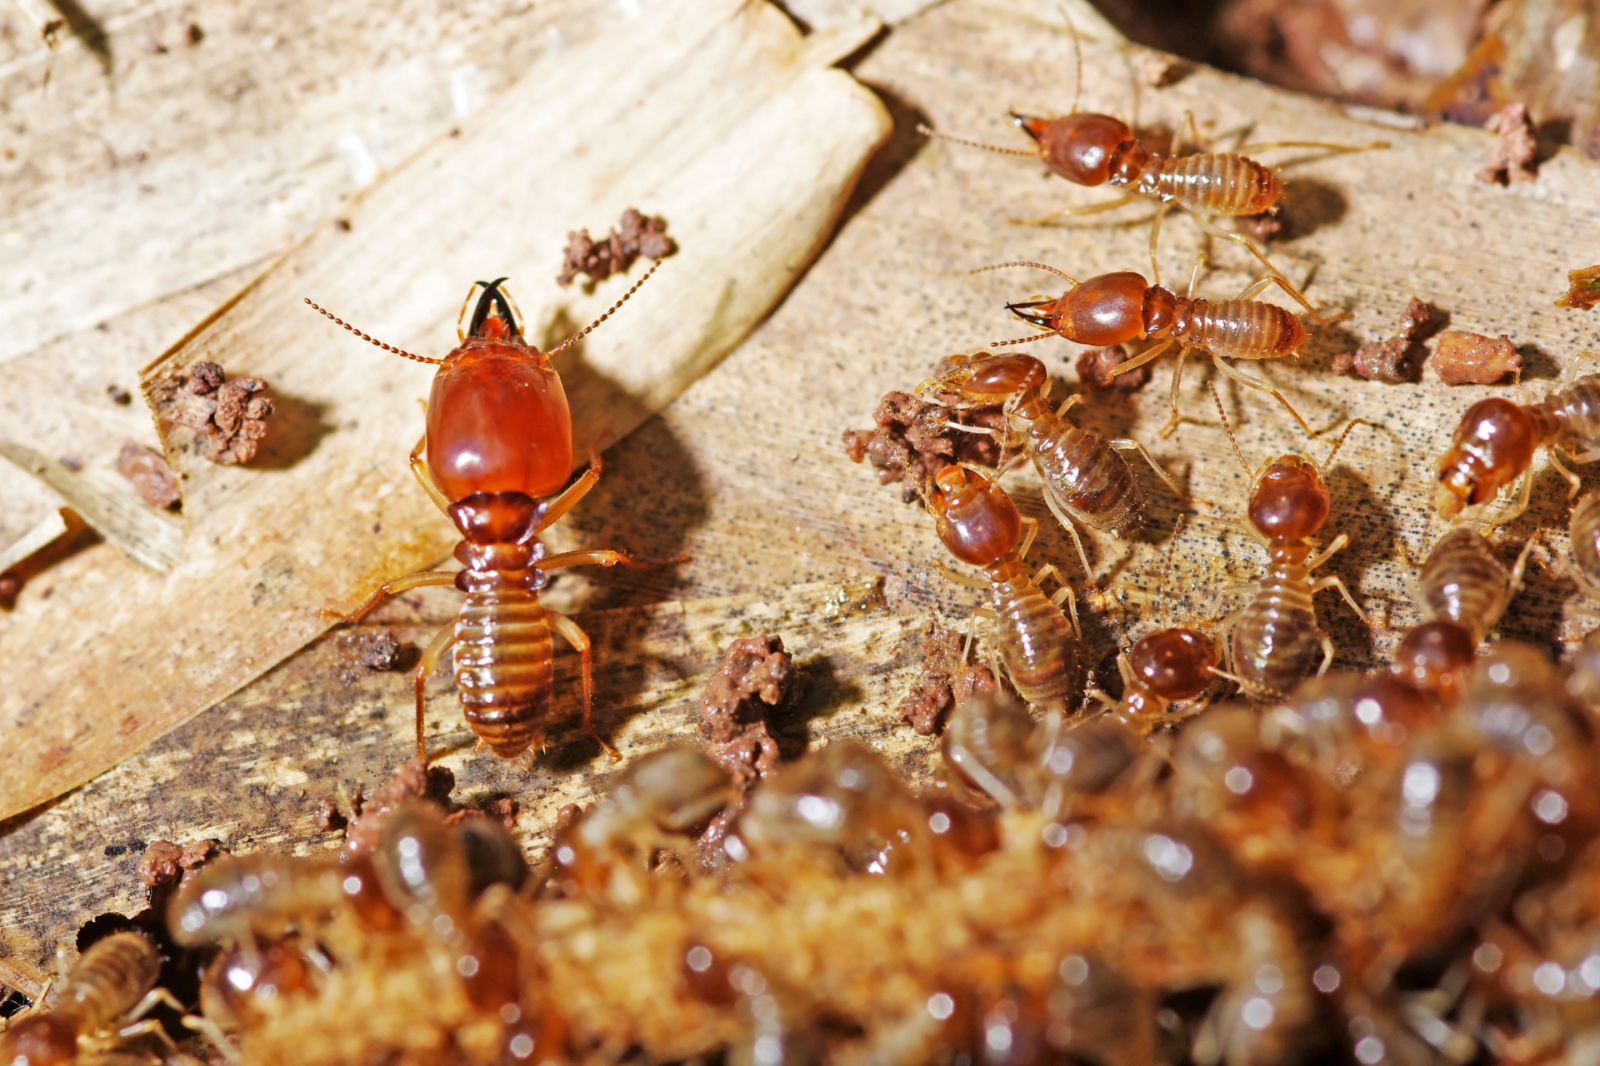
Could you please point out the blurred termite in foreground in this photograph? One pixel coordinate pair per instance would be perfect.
(1120, 307)
(1274, 639)
(980, 525)
(1085, 476)
(1093, 149)
(499, 450)
(1496, 438)
(113, 982)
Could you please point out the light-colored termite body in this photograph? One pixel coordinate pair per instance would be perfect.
(1463, 581)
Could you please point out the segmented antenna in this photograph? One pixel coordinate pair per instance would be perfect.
(372, 340)
(576, 337)
(1022, 263)
(1229, 430)
(929, 131)
(1025, 340)
(1354, 422)
(1077, 60)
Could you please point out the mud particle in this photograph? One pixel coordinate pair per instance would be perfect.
(327, 817)
(1157, 70)
(1397, 359)
(1511, 160)
(119, 395)
(72, 463)
(755, 680)
(152, 478)
(1461, 358)
(412, 779)
(1094, 367)
(1264, 227)
(503, 810)
(946, 680)
(229, 415)
(913, 441)
(160, 863)
(377, 651)
(640, 235)
(1583, 289)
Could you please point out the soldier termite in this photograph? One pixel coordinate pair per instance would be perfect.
(1119, 307)
(499, 450)
(1085, 476)
(980, 525)
(1094, 149)
(1496, 438)
(1274, 639)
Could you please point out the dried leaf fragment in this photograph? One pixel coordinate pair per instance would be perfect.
(1583, 289)
(640, 236)
(1511, 160)
(228, 414)
(1461, 358)
(152, 478)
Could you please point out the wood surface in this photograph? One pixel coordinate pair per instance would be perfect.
(744, 472)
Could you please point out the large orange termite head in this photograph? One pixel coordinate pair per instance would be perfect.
(974, 517)
(1108, 309)
(1083, 148)
(1289, 501)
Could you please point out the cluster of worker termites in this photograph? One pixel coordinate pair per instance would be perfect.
(1393, 867)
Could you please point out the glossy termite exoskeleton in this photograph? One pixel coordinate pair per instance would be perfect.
(1092, 149)
(95, 1009)
(1085, 476)
(1165, 667)
(1274, 640)
(1463, 582)
(980, 525)
(1583, 543)
(498, 453)
(1496, 438)
(1115, 308)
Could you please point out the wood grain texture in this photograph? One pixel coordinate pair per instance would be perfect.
(750, 153)
(744, 472)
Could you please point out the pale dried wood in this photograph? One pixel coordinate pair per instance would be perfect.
(749, 151)
(744, 472)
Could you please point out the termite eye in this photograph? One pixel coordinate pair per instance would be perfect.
(1175, 664)
(1289, 500)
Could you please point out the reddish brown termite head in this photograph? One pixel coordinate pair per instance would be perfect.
(974, 517)
(1174, 664)
(991, 380)
(497, 415)
(1085, 148)
(1289, 500)
(1434, 657)
(1493, 444)
(1109, 309)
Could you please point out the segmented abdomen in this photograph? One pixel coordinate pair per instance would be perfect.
(1577, 412)
(1463, 581)
(110, 979)
(1087, 478)
(1275, 640)
(1584, 531)
(505, 667)
(1240, 329)
(1036, 641)
(1213, 183)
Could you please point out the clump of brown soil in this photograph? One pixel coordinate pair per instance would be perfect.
(1511, 160)
(1461, 358)
(947, 679)
(152, 478)
(913, 440)
(230, 415)
(640, 235)
(1397, 359)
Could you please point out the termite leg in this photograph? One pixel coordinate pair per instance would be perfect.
(1524, 495)
(1263, 385)
(1339, 542)
(1327, 652)
(589, 558)
(1066, 523)
(960, 578)
(1064, 593)
(212, 1032)
(1522, 562)
(572, 494)
(1574, 482)
(424, 476)
(1244, 148)
(580, 640)
(399, 584)
(1030, 530)
(1259, 286)
(1177, 379)
(1129, 444)
(1194, 133)
(1239, 238)
(430, 658)
(1105, 701)
(1338, 583)
(1152, 352)
(1089, 209)
(1155, 237)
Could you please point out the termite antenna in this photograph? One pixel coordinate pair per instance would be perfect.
(1025, 340)
(1077, 59)
(929, 131)
(576, 337)
(1021, 263)
(1228, 429)
(370, 340)
(1166, 570)
(1354, 422)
